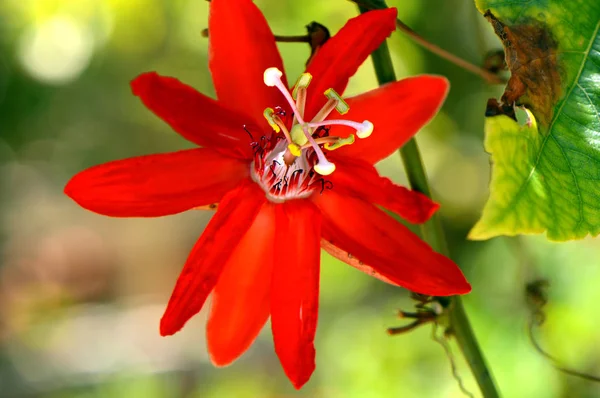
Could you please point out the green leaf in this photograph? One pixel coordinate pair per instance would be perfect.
(545, 174)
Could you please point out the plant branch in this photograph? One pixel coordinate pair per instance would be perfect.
(488, 76)
(279, 38)
(433, 234)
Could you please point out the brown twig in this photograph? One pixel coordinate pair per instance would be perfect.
(283, 39)
(487, 76)
(316, 36)
(417, 38)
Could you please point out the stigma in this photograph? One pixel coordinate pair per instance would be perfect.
(293, 164)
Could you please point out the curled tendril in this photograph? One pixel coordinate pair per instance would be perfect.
(536, 293)
(443, 341)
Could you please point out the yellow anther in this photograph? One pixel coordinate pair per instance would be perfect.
(298, 136)
(302, 82)
(341, 106)
(340, 143)
(295, 150)
(268, 114)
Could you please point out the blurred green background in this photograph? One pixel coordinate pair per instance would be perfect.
(81, 295)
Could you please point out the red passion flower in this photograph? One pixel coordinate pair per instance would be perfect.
(291, 170)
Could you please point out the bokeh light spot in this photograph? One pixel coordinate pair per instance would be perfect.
(56, 51)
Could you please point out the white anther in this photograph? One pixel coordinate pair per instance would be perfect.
(324, 167)
(272, 76)
(366, 129)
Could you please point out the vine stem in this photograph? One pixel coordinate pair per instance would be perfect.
(433, 234)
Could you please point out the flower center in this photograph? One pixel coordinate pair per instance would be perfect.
(293, 166)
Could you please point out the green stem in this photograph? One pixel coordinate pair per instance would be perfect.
(433, 233)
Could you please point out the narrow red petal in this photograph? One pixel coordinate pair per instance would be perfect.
(196, 117)
(295, 288)
(242, 46)
(397, 110)
(387, 246)
(242, 298)
(340, 57)
(358, 178)
(204, 265)
(156, 185)
(349, 259)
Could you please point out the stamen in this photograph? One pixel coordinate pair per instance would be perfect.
(283, 128)
(342, 107)
(335, 101)
(363, 130)
(299, 92)
(276, 123)
(323, 140)
(340, 142)
(302, 82)
(329, 106)
(332, 142)
(268, 114)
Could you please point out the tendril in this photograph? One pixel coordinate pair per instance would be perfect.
(443, 341)
(537, 297)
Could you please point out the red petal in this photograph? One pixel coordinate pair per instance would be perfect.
(397, 110)
(359, 178)
(235, 215)
(349, 259)
(196, 117)
(241, 300)
(242, 46)
(156, 185)
(387, 246)
(295, 288)
(340, 57)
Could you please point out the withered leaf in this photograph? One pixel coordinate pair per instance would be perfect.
(545, 173)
